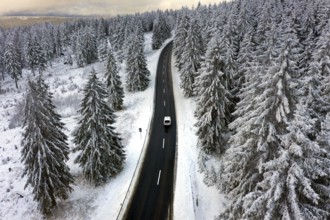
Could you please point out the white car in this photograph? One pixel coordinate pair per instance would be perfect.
(167, 121)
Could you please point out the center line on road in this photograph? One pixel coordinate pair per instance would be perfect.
(160, 171)
(163, 143)
(164, 103)
(164, 90)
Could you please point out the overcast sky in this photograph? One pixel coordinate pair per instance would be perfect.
(90, 7)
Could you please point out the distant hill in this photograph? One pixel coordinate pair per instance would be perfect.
(15, 21)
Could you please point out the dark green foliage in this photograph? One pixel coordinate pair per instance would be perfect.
(161, 31)
(116, 92)
(157, 38)
(35, 55)
(213, 100)
(191, 58)
(13, 62)
(86, 48)
(101, 154)
(45, 149)
(137, 72)
(180, 39)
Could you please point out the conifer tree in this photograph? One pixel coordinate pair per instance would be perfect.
(35, 55)
(191, 59)
(165, 27)
(320, 67)
(58, 42)
(47, 45)
(213, 100)
(157, 38)
(246, 60)
(137, 72)
(45, 149)
(295, 181)
(30, 55)
(161, 31)
(2, 54)
(102, 49)
(116, 92)
(257, 134)
(101, 154)
(180, 39)
(13, 63)
(101, 31)
(323, 136)
(86, 48)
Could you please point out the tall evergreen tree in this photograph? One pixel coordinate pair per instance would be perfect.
(101, 154)
(295, 181)
(213, 100)
(45, 149)
(101, 30)
(320, 67)
(161, 31)
(137, 71)
(191, 58)
(47, 45)
(35, 55)
(116, 92)
(102, 49)
(86, 48)
(2, 54)
(257, 133)
(323, 136)
(157, 38)
(13, 63)
(180, 39)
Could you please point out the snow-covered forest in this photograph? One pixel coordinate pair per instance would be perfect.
(258, 72)
(262, 94)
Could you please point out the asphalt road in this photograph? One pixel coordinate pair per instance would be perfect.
(153, 196)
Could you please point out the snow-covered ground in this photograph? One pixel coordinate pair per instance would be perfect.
(103, 202)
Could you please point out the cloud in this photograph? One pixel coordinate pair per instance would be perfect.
(89, 7)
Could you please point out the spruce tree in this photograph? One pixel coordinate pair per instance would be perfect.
(45, 149)
(36, 56)
(323, 137)
(13, 63)
(295, 181)
(213, 101)
(114, 85)
(30, 55)
(191, 59)
(320, 70)
(102, 49)
(101, 31)
(86, 48)
(256, 140)
(180, 39)
(157, 38)
(47, 45)
(164, 27)
(137, 72)
(2, 54)
(161, 31)
(101, 154)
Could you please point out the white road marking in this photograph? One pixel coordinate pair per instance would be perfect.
(164, 103)
(164, 91)
(160, 172)
(163, 143)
